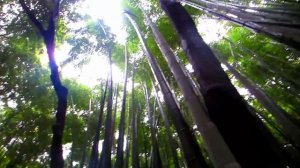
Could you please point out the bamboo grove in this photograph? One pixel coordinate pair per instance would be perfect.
(161, 113)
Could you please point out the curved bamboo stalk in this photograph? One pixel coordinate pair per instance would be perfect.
(218, 151)
(226, 107)
(190, 147)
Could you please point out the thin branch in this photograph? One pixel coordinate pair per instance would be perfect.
(32, 17)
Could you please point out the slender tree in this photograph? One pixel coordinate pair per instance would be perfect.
(155, 159)
(115, 117)
(214, 143)
(189, 144)
(169, 135)
(135, 152)
(283, 32)
(105, 159)
(289, 127)
(225, 106)
(94, 153)
(127, 149)
(120, 153)
(144, 144)
(60, 90)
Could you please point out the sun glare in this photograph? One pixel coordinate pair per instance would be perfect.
(111, 12)
(211, 30)
(97, 67)
(90, 73)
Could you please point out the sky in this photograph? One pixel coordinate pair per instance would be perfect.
(111, 12)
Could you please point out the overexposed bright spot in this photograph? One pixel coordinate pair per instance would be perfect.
(243, 91)
(189, 67)
(224, 67)
(12, 104)
(66, 150)
(160, 96)
(231, 15)
(97, 67)
(100, 145)
(110, 11)
(251, 10)
(211, 30)
(90, 73)
(61, 53)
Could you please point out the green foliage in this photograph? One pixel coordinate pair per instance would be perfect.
(270, 65)
(27, 99)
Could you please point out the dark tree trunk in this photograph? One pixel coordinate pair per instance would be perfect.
(285, 33)
(225, 106)
(155, 159)
(94, 153)
(169, 135)
(135, 154)
(215, 145)
(105, 159)
(189, 144)
(127, 150)
(290, 129)
(56, 153)
(120, 153)
(145, 146)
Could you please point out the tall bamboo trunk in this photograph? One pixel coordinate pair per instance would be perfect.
(218, 151)
(285, 33)
(156, 161)
(189, 144)
(135, 154)
(168, 131)
(120, 153)
(290, 129)
(226, 107)
(127, 150)
(145, 146)
(114, 117)
(105, 159)
(94, 153)
(275, 15)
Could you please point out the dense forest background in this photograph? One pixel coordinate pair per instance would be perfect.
(163, 96)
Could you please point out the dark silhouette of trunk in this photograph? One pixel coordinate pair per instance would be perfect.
(217, 149)
(283, 10)
(226, 107)
(285, 33)
(114, 148)
(288, 156)
(120, 153)
(145, 146)
(105, 159)
(72, 136)
(290, 129)
(135, 154)
(276, 70)
(169, 135)
(155, 159)
(127, 150)
(94, 153)
(189, 144)
(60, 90)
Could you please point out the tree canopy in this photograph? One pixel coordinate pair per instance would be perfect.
(161, 97)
